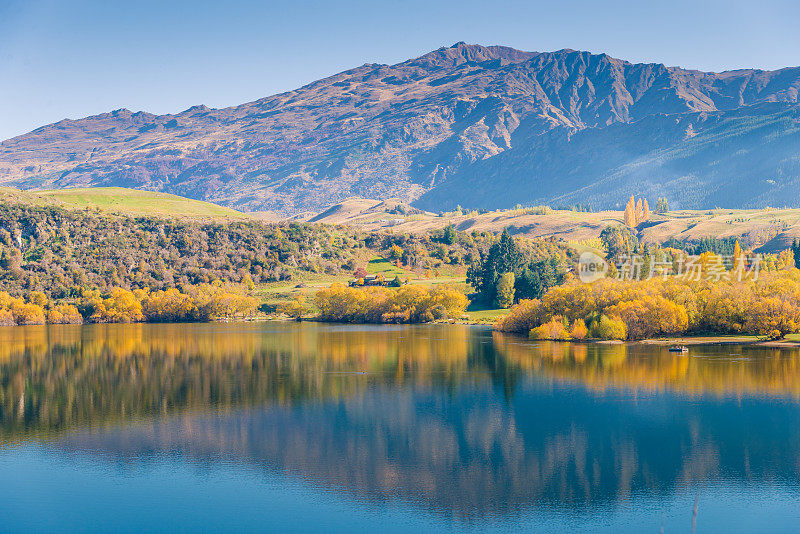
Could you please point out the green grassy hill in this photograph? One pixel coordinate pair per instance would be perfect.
(123, 201)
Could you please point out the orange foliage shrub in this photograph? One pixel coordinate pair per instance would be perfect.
(578, 330)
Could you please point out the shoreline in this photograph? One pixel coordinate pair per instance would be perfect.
(688, 341)
(721, 340)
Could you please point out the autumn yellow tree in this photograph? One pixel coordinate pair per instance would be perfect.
(407, 304)
(64, 314)
(636, 212)
(169, 306)
(120, 306)
(737, 253)
(294, 308)
(608, 328)
(630, 213)
(645, 210)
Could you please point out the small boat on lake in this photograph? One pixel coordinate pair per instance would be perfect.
(679, 348)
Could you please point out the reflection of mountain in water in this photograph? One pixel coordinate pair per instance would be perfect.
(457, 419)
(471, 454)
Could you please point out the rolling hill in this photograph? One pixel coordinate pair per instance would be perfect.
(766, 230)
(122, 201)
(483, 127)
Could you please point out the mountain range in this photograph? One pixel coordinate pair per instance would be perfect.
(470, 125)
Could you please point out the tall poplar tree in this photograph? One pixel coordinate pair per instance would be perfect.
(630, 213)
(645, 210)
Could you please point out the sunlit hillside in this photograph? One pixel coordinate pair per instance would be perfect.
(120, 200)
(767, 229)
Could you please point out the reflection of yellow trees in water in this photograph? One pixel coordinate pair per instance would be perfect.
(754, 371)
(397, 432)
(53, 377)
(241, 340)
(61, 376)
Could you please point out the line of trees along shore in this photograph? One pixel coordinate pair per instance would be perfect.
(629, 309)
(202, 302)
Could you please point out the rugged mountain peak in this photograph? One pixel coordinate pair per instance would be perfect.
(461, 53)
(484, 126)
(202, 108)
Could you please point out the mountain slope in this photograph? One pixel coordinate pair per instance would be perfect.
(471, 125)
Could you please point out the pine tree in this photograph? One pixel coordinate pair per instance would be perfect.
(796, 252)
(449, 235)
(503, 257)
(647, 263)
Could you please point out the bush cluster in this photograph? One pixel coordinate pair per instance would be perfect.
(407, 304)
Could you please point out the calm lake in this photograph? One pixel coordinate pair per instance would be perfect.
(326, 428)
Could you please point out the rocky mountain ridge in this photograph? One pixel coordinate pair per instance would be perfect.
(484, 127)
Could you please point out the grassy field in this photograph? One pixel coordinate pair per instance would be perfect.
(386, 268)
(270, 296)
(120, 200)
(481, 315)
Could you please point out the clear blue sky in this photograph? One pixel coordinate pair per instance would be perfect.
(73, 58)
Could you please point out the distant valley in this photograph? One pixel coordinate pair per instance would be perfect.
(469, 125)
